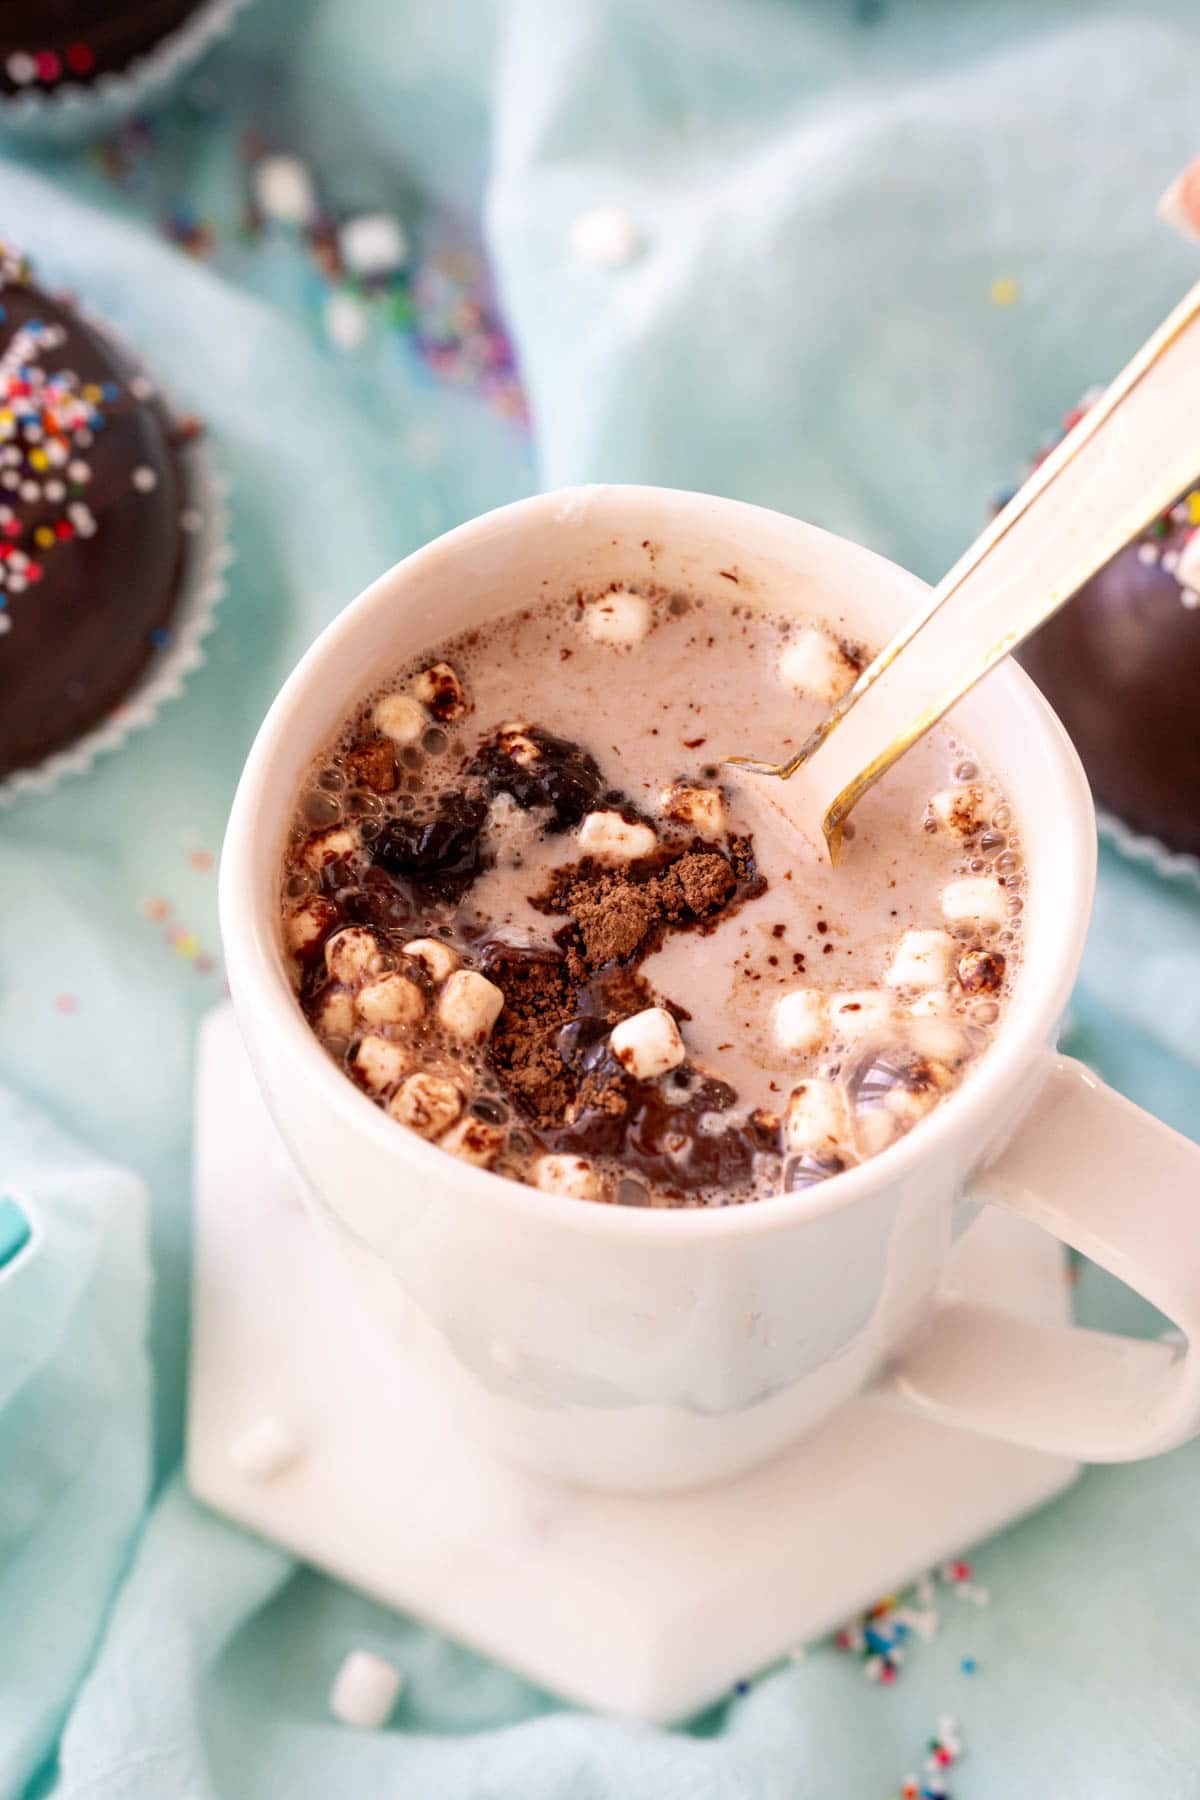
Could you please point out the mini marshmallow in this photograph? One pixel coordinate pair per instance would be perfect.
(604, 237)
(380, 1062)
(335, 1015)
(874, 1129)
(939, 1041)
(922, 959)
(308, 925)
(811, 663)
(439, 689)
(514, 742)
(372, 244)
(347, 321)
(469, 1006)
(798, 1022)
(963, 810)
(856, 1013)
(620, 620)
(391, 999)
(365, 1691)
(265, 1450)
(572, 1176)
(353, 955)
(977, 903)
(700, 807)
(933, 1004)
(330, 846)
(475, 1141)
(609, 838)
(648, 1044)
(816, 1117)
(436, 958)
(284, 190)
(427, 1104)
(401, 718)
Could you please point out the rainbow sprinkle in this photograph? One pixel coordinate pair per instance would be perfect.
(944, 1750)
(181, 938)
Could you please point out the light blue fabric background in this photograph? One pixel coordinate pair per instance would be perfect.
(826, 193)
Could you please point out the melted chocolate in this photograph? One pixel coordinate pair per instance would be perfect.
(564, 777)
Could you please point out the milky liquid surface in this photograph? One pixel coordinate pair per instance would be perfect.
(704, 684)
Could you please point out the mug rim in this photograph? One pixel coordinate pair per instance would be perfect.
(249, 927)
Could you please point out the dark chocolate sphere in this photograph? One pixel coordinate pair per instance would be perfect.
(1120, 665)
(91, 539)
(44, 43)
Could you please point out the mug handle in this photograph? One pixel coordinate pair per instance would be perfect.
(1110, 1180)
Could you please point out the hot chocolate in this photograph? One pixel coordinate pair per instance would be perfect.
(535, 918)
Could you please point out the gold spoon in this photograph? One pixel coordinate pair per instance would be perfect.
(1123, 465)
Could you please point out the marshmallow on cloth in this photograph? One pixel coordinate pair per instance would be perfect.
(648, 1044)
(365, 1690)
(372, 245)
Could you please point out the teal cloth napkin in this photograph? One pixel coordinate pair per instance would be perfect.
(883, 245)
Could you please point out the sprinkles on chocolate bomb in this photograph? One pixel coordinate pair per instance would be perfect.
(45, 44)
(94, 520)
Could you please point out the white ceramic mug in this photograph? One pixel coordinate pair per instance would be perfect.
(647, 1350)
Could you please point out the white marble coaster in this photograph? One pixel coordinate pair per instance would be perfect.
(314, 1434)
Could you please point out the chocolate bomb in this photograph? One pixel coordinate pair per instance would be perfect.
(1120, 665)
(91, 544)
(45, 43)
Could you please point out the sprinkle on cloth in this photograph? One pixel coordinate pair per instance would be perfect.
(181, 939)
(944, 1750)
(881, 1636)
(441, 300)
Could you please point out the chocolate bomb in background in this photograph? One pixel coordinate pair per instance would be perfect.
(45, 43)
(1120, 665)
(93, 522)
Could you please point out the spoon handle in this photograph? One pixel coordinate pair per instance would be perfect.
(1125, 463)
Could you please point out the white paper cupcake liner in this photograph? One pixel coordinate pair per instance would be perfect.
(207, 554)
(1172, 865)
(77, 109)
